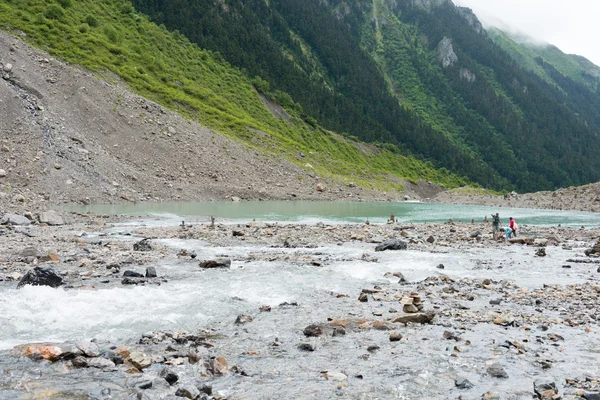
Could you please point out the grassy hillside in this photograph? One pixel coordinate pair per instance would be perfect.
(108, 35)
(372, 68)
(577, 68)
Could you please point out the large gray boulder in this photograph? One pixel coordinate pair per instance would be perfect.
(42, 275)
(51, 218)
(14, 219)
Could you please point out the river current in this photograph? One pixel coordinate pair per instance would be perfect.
(193, 299)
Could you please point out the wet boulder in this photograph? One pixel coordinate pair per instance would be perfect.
(216, 263)
(142, 245)
(151, 272)
(132, 274)
(313, 331)
(42, 275)
(541, 252)
(394, 244)
(306, 347)
(595, 250)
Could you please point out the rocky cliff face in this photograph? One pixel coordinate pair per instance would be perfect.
(445, 53)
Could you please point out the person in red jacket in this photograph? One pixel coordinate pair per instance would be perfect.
(513, 225)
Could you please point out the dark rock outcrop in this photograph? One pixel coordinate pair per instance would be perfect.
(394, 244)
(217, 263)
(42, 275)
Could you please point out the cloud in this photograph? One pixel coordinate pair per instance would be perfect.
(570, 25)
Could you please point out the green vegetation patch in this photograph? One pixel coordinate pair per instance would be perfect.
(107, 35)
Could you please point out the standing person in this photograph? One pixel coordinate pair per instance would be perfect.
(495, 225)
(513, 225)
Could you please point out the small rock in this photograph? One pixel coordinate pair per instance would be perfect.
(151, 272)
(416, 318)
(189, 392)
(395, 336)
(58, 166)
(142, 245)
(544, 389)
(132, 274)
(410, 308)
(243, 319)
(89, 349)
(169, 376)
(541, 252)
(217, 263)
(313, 331)
(363, 297)
(306, 347)
(462, 383)
(430, 239)
(29, 251)
(335, 376)
(440, 266)
(102, 363)
(497, 371)
(7, 67)
(79, 362)
(2, 173)
(495, 301)
(339, 331)
(218, 366)
(140, 360)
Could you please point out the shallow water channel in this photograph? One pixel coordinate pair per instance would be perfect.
(421, 366)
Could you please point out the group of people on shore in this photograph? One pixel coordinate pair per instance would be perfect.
(509, 231)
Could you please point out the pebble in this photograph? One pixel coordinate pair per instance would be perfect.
(497, 371)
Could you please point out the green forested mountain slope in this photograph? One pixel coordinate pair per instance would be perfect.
(527, 54)
(109, 35)
(417, 78)
(373, 69)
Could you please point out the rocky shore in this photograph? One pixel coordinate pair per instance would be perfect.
(472, 326)
(581, 198)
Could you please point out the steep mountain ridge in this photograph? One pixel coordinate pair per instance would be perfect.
(379, 79)
(414, 78)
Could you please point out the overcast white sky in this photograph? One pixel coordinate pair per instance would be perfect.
(571, 25)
